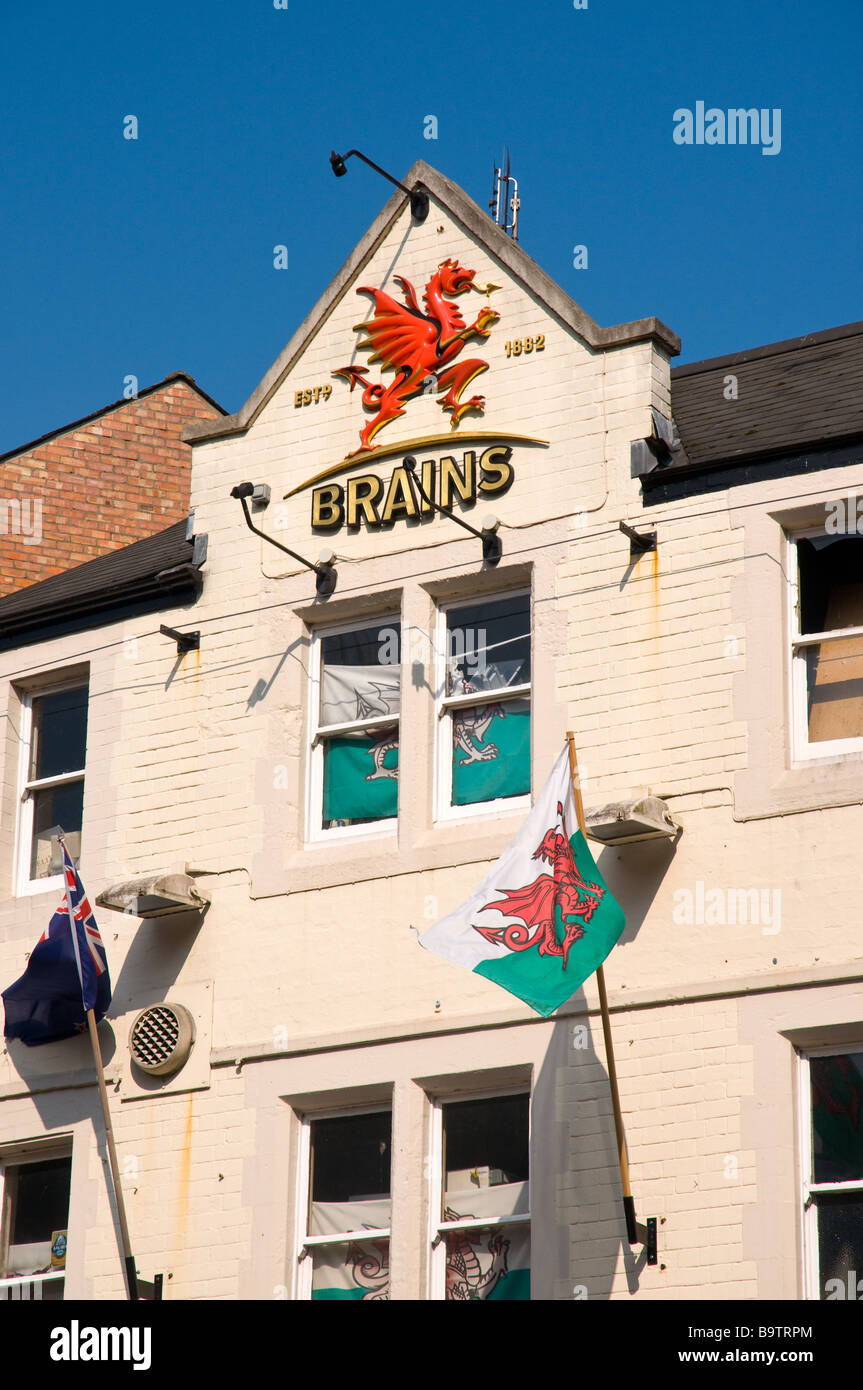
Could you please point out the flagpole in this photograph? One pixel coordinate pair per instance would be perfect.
(128, 1257)
(628, 1200)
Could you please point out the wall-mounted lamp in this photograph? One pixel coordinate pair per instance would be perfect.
(324, 570)
(492, 549)
(418, 196)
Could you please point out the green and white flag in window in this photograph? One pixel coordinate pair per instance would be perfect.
(542, 919)
(491, 751)
(361, 767)
(357, 1269)
(359, 692)
(487, 1262)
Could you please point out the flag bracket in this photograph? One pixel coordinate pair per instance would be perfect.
(646, 1233)
(639, 541)
(652, 1253)
(186, 641)
(150, 1290)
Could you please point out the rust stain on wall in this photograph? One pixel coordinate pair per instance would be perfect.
(185, 1173)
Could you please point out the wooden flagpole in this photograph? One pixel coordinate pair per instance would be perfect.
(128, 1257)
(628, 1200)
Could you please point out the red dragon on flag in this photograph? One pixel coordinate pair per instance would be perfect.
(536, 902)
(420, 347)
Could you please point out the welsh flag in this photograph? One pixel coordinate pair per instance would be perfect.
(543, 919)
(361, 768)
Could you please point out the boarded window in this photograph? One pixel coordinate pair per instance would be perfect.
(831, 600)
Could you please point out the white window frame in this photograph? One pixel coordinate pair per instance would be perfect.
(809, 1188)
(14, 1286)
(802, 751)
(315, 831)
(444, 809)
(306, 1243)
(438, 1228)
(25, 886)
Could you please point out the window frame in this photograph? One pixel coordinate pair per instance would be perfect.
(25, 886)
(809, 1189)
(316, 833)
(803, 752)
(305, 1243)
(445, 811)
(18, 1156)
(435, 1161)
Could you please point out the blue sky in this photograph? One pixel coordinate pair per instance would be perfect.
(144, 257)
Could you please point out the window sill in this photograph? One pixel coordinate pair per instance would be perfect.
(351, 834)
(806, 786)
(815, 755)
(357, 861)
(475, 811)
(29, 889)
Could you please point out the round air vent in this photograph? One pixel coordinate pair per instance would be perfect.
(161, 1039)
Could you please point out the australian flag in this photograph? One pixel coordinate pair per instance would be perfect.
(66, 975)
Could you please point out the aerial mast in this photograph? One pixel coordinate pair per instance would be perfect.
(503, 205)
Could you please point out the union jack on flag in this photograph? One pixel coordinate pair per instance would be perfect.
(66, 975)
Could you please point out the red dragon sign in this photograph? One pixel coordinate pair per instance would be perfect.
(420, 347)
(535, 903)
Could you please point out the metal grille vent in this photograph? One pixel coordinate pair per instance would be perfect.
(161, 1038)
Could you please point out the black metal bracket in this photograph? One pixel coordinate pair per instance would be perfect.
(639, 541)
(652, 1253)
(645, 1234)
(325, 575)
(418, 196)
(150, 1290)
(492, 548)
(186, 641)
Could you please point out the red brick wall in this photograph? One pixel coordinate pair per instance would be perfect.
(103, 485)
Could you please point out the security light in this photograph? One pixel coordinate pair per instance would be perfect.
(324, 570)
(492, 549)
(418, 196)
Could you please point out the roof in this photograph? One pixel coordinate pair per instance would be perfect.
(792, 396)
(508, 253)
(106, 409)
(160, 567)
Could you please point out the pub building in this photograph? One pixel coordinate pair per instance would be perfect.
(455, 520)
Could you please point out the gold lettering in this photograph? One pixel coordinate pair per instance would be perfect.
(496, 469)
(328, 511)
(298, 398)
(363, 493)
(464, 483)
(400, 498)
